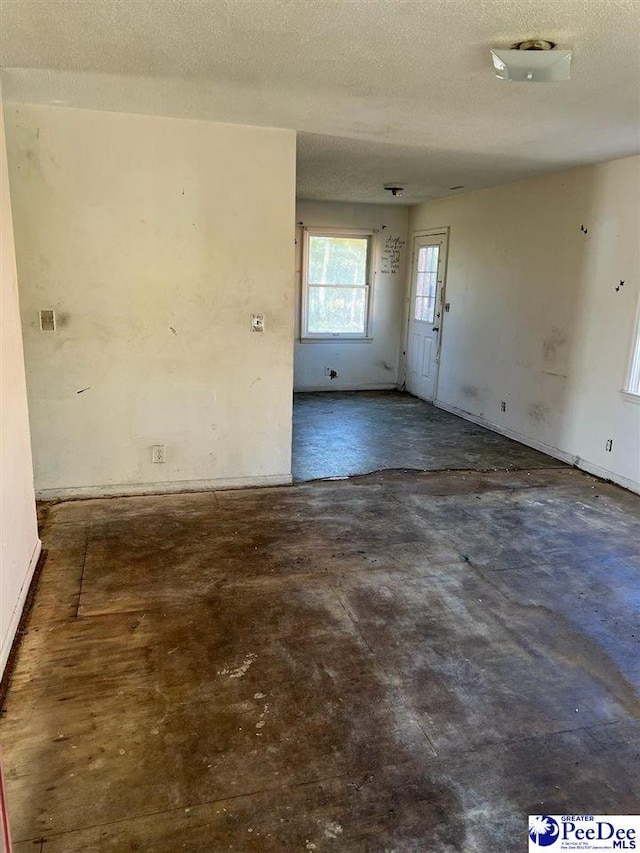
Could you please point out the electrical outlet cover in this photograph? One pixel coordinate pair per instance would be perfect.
(158, 453)
(47, 320)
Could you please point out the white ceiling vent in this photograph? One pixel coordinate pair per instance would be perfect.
(533, 61)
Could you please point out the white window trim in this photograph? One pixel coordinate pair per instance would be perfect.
(631, 390)
(631, 397)
(342, 337)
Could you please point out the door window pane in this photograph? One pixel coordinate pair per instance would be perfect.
(425, 308)
(428, 258)
(426, 284)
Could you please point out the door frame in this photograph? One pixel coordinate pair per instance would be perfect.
(429, 232)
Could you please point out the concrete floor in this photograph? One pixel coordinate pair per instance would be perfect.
(397, 662)
(344, 433)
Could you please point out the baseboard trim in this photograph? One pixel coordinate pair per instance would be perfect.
(7, 642)
(605, 474)
(556, 453)
(562, 455)
(130, 489)
(312, 389)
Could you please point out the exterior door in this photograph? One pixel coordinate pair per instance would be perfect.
(425, 314)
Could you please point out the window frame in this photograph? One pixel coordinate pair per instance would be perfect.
(322, 337)
(631, 389)
(432, 301)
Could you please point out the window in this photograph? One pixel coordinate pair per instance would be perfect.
(426, 284)
(336, 284)
(633, 378)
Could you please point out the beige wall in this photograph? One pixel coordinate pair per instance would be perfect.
(360, 365)
(18, 529)
(535, 318)
(154, 239)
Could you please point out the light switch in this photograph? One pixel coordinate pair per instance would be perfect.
(257, 322)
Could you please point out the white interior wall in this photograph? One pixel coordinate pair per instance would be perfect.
(536, 319)
(18, 527)
(154, 239)
(360, 364)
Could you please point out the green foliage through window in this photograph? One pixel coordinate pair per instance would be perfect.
(337, 297)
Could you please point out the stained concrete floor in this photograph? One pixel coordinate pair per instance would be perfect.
(396, 662)
(337, 434)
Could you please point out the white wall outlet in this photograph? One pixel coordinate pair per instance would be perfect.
(47, 320)
(503, 406)
(609, 445)
(257, 322)
(158, 453)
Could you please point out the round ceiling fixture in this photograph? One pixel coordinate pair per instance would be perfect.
(534, 44)
(394, 190)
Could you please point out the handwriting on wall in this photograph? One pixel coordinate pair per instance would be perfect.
(391, 255)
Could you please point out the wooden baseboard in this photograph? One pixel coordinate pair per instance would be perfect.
(164, 488)
(19, 618)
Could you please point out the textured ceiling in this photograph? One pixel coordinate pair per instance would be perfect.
(391, 90)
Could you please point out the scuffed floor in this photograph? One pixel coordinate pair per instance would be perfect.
(399, 662)
(343, 433)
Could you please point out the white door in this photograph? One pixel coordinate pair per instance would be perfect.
(425, 314)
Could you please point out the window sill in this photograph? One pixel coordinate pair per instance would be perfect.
(336, 340)
(630, 397)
